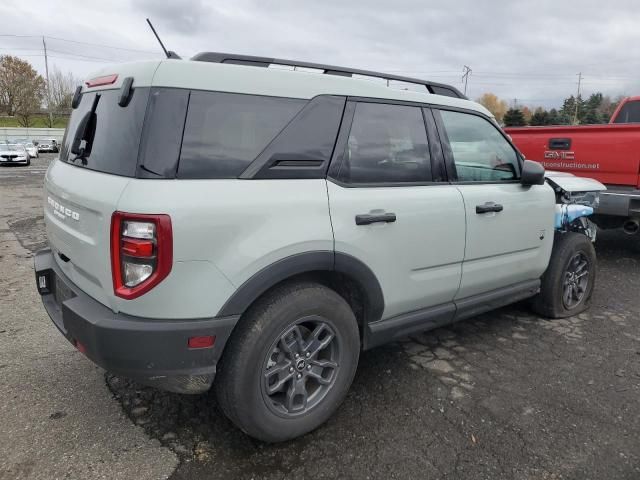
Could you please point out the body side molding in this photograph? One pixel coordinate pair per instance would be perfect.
(400, 326)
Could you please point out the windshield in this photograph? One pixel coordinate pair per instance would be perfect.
(13, 148)
(104, 136)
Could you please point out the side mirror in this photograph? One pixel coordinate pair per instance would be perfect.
(532, 173)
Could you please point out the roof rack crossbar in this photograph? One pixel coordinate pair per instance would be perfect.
(218, 57)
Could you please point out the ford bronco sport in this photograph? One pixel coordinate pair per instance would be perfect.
(232, 218)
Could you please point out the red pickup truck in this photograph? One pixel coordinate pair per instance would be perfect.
(609, 153)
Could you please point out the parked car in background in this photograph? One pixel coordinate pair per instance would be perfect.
(14, 154)
(49, 145)
(609, 153)
(32, 150)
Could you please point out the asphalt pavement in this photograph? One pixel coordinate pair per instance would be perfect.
(506, 395)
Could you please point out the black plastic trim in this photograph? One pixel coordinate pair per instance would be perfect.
(77, 96)
(303, 148)
(149, 350)
(126, 91)
(317, 261)
(399, 326)
(438, 170)
(341, 142)
(219, 57)
(484, 302)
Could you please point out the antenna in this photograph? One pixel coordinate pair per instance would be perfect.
(168, 53)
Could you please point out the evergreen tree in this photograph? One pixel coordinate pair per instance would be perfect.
(539, 117)
(554, 117)
(590, 111)
(514, 118)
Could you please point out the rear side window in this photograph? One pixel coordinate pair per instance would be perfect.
(112, 137)
(480, 152)
(629, 113)
(225, 132)
(386, 144)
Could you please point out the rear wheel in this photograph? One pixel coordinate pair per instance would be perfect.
(568, 283)
(290, 362)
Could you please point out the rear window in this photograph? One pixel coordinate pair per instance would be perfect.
(114, 139)
(225, 132)
(629, 113)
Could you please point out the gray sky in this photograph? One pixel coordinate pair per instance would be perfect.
(529, 50)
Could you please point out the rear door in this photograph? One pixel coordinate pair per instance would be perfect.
(509, 231)
(387, 211)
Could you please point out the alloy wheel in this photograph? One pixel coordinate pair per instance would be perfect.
(301, 367)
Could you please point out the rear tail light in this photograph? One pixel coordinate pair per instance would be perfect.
(141, 252)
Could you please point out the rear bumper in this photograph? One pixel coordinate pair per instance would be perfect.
(151, 351)
(619, 202)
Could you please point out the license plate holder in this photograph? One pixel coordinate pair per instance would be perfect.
(62, 292)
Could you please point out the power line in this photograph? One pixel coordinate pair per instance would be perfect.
(79, 42)
(102, 45)
(84, 56)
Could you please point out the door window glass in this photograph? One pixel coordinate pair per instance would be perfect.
(387, 144)
(480, 152)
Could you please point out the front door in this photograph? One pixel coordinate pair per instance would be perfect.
(510, 231)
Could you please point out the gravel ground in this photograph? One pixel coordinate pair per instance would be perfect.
(505, 395)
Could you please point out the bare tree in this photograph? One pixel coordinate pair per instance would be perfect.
(21, 89)
(61, 89)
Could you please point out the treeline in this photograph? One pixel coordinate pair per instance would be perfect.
(25, 95)
(598, 108)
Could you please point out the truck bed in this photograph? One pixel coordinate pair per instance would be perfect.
(609, 153)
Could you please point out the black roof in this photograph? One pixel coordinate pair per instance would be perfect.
(218, 57)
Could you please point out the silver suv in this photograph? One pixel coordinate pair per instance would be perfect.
(232, 217)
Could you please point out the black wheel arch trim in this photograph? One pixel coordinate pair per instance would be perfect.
(317, 261)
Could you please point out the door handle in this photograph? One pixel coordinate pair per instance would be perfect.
(369, 218)
(489, 207)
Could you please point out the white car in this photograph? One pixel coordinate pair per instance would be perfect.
(14, 154)
(32, 150)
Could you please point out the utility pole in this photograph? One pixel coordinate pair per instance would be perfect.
(575, 116)
(46, 67)
(466, 71)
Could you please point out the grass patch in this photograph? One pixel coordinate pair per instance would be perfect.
(37, 121)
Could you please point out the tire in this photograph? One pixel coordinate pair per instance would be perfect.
(255, 362)
(28, 162)
(570, 250)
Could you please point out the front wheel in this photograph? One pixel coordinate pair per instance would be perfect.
(290, 362)
(568, 282)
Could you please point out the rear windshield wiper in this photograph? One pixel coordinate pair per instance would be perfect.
(85, 133)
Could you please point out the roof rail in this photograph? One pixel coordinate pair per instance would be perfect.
(217, 57)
